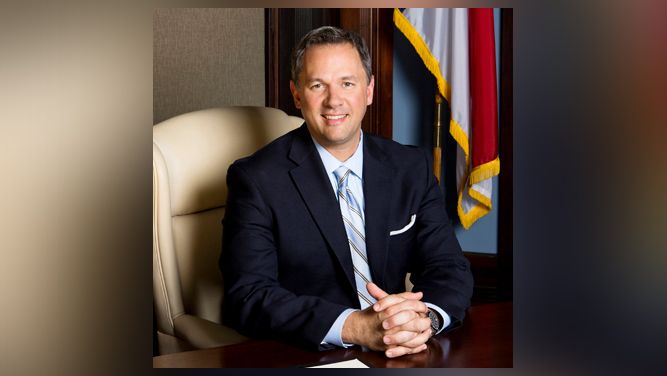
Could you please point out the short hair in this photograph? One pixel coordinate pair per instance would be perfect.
(329, 35)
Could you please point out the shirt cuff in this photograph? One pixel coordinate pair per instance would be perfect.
(334, 335)
(446, 320)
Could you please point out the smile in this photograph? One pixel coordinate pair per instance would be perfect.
(334, 117)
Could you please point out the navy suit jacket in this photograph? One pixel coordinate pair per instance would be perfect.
(286, 260)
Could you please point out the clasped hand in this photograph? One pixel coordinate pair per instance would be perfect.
(396, 324)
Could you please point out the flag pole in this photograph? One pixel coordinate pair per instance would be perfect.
(437, 138)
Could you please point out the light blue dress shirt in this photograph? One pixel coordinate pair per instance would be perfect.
(355, 183)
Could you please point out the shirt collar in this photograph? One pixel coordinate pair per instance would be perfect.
(354, 163)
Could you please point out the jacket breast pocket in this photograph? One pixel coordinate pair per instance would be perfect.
(406, 228)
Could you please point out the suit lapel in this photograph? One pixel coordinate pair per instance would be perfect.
(314, 187)
(377, 195)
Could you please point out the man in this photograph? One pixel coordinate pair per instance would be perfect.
(323, 224)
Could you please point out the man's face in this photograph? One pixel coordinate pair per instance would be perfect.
(333, 94)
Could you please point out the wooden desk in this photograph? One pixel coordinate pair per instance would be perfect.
(484, 340)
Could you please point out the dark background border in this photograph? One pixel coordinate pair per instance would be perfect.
(589, 183)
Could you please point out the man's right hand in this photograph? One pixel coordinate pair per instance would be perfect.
(364, 328)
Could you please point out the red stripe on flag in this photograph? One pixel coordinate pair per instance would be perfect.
(484, 112)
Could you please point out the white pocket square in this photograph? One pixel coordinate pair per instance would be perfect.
(406, 228)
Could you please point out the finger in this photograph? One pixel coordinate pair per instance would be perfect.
(399, 338)
(420, 348)
(401, 318)
(402, 350)
(397, 351)
(418, 340)
(417, 326)
(411, 295)
(375, 291)
(406, 305)
(390, 300)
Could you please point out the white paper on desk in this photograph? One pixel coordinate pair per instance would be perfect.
(354, 363)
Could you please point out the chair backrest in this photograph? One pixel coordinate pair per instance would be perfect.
(191, 155)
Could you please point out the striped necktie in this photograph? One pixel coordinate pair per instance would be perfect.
(354, 227)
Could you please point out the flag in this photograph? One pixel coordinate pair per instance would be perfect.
(458, 48)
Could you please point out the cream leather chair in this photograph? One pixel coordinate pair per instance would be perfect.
(191, 154)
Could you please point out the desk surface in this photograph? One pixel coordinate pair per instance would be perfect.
(484, 340)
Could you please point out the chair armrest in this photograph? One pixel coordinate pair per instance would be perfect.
(203, 334)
